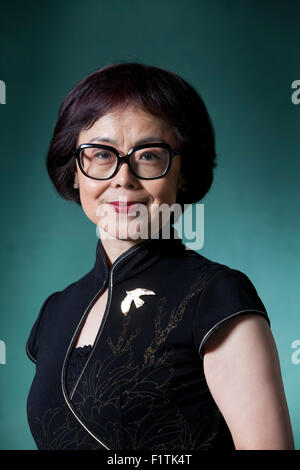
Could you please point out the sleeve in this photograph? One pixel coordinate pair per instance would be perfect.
(228, 293)
(32, 341)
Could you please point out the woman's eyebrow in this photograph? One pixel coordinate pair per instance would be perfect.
(139, 142)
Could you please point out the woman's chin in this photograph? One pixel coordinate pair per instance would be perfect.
(130, 232)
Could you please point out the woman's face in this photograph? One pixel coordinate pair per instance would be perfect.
(125, 126)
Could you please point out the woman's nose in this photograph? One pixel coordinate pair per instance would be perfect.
(125, 177)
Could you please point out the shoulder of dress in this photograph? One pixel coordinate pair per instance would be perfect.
(198, 261)
(76, 285)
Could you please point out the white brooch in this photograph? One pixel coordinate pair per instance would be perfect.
(134, 295)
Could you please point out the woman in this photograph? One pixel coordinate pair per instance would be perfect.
(157, 347)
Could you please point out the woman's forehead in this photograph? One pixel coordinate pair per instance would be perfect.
(130, 121)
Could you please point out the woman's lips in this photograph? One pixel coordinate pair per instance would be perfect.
(124, 206)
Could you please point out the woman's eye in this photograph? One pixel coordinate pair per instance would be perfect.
(149, 156)
(102, 155)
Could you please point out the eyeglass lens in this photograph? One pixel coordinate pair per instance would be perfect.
(147, 163)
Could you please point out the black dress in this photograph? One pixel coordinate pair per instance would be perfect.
(142, 384)
(77, 360)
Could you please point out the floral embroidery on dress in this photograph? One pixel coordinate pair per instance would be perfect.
(133, 398)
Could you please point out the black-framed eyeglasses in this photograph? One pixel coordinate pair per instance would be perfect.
(146, 161)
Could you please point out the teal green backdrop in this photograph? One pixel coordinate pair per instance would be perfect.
(242, 57)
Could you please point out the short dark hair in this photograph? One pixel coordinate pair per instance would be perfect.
(155, 90)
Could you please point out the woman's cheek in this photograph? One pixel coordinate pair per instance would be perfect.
(89, 205)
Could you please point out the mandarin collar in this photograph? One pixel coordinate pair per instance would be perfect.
(137, 258)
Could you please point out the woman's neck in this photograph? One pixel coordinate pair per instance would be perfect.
(115, 247)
